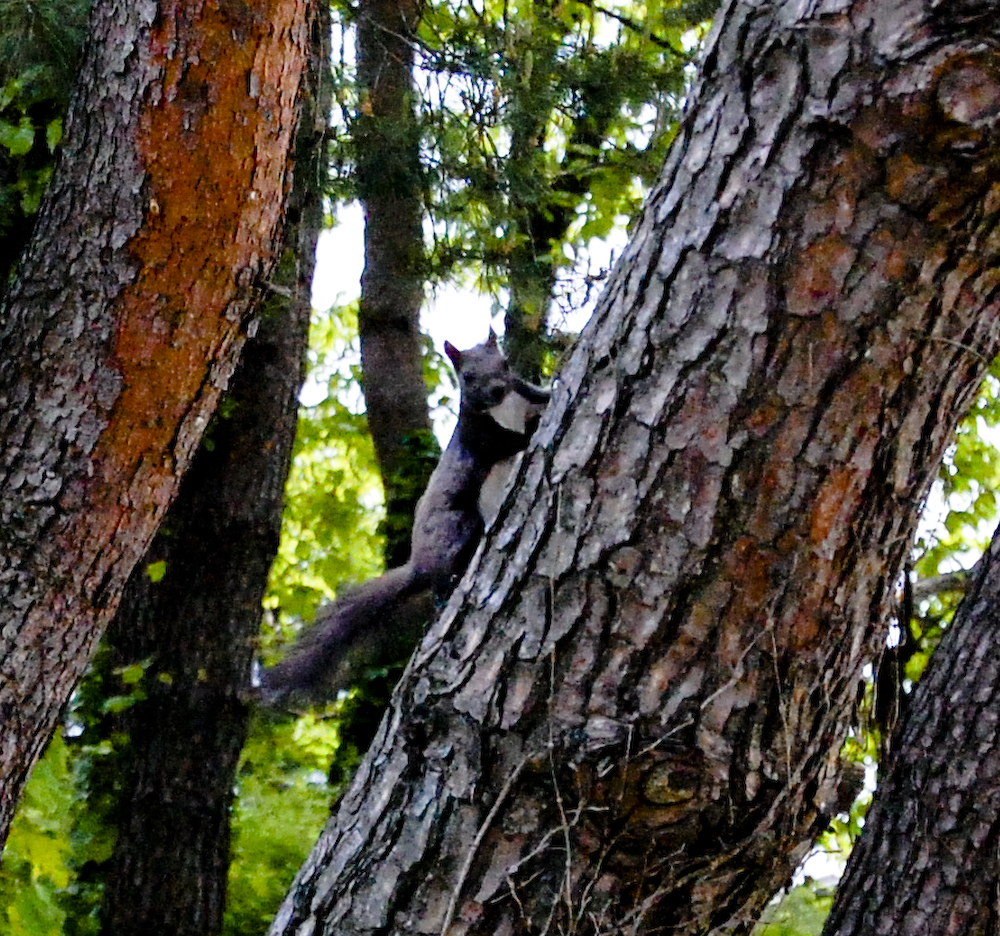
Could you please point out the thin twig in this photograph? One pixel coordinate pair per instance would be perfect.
(781, 705)
(924, 588)
(562, 811)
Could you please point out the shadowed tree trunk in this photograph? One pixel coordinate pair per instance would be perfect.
(125, 321)
(928, 859)
(197, 621)
(387, 146)
(629, 716)
(197, 624)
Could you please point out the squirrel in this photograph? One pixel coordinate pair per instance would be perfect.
(381, 620)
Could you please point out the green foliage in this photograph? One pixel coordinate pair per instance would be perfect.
(541, 127)
(329, 537)
(40, 44)
(966, 516)
(333, 496)
(97, 746)
(419, 455)
(968, 483)
(801, 912)
(64, 830)
(18, 138)
(281, 805)
(34, 868)
(42, 39)
(544, 125)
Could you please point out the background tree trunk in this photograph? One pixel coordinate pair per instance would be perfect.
(928, 859)
(197, 623)
(124, 323)
(386, 141)
(630, 714)
(387, 145)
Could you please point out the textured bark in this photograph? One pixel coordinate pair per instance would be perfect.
(387, 145)
(928, 859)
(629, 715)
(197, 625)
(198, 622)
(125, 321)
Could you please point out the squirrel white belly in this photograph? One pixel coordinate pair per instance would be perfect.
(380, 621)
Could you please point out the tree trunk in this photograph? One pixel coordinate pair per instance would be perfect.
(197, 623)
(928, 859)
(124, 323)
(630, 713)
(387, 145)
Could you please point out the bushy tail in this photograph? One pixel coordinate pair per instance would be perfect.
(373, 625)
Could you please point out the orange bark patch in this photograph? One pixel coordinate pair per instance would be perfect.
(805, 627)
(819, 275)
(214, 140)
(753, 569)
(834, 500)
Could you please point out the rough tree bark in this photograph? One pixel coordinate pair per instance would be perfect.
(928, 859)
(197, 623)
(387, 147)
(630, 713)
(126, 319)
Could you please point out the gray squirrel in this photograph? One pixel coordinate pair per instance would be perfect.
(381, 620)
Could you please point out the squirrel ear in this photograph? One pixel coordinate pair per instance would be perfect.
(453, 353)
(491, 342)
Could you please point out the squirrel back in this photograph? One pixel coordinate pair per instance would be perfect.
(377, 622)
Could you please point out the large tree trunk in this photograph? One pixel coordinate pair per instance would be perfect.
(197, 624)
(629, 715)
(928, 860)
(387, 146)
(126, 320)
(198, 620)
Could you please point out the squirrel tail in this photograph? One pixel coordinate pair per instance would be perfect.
(376, 624)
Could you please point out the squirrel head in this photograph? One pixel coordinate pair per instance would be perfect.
(484, 376)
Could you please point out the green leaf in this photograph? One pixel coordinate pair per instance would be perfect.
(17, 138)
(54, 133)
(801, 912)
(34, 868)
(130, 675)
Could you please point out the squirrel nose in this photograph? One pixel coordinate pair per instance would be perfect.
(495, 394)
